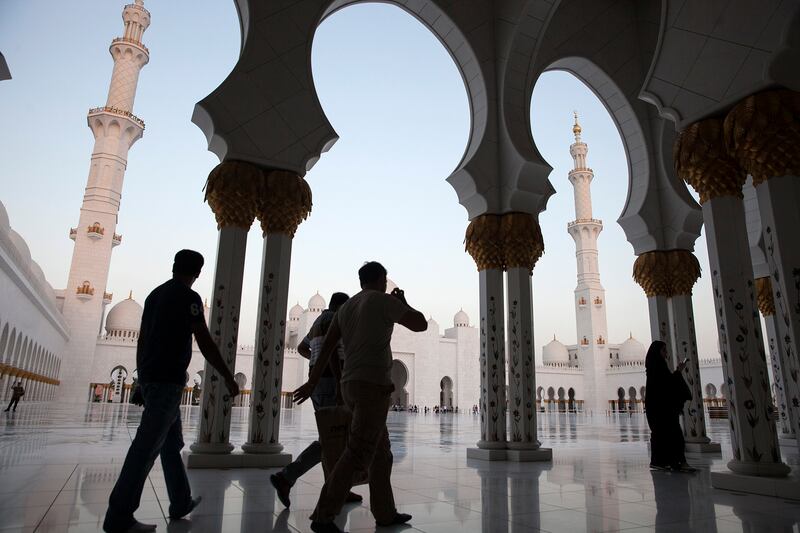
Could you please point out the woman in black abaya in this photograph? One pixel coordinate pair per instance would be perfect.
(666, 394)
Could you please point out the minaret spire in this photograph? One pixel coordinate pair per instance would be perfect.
(115, 129)
(590, 311)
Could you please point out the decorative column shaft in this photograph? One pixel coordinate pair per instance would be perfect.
(523, 246)
(285, 203)
(684, 270)
(766, 304)
(232, 192)
(763, 134)
(484, 244)
(650, 271)
(702, 161)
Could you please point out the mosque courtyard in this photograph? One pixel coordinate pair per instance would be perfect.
(57, 467)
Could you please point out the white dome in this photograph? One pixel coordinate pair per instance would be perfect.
(432, 324)
(317, 303)
(5, 225)
(631, 350)
(126, 316)
(555, 352)
(296, 311)
(21, 246)
(461, 320)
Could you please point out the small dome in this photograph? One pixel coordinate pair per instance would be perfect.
(296, 311)
(21, 246)
(461, 320)
(317, 303)
(432, 324)
(5, 225)
(555, 352)
(125, 317)
(631, 350)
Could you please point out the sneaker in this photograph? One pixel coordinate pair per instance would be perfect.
(686, 468)
(660, 468)
(399, 518)
(352, 497)
(282, 488)
(194, 503)
(136, 527)
(328, 527)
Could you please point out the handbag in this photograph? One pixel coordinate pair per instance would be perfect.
(333, 424)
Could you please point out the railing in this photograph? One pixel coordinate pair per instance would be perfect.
(116, 111)
(73, 233)
(108, 296)
(84, 290)
(96, 228)
(584, 221)
(130, 41)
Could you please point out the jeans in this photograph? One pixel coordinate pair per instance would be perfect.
(324, 395)
(160, 433)
(368, 449)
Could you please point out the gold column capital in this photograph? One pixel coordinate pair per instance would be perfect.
(233, 191)
(683, 271)
(523, 244)
(702, 160)
(764, 298)
(763, 133)
(666, 272)
(483, 241)
(285, 202)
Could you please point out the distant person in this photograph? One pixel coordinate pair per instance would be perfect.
(666, 393)
(324, 395)
(173, 312)
(365, 324)
(17, 392)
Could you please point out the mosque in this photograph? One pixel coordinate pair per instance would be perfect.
(676, 125)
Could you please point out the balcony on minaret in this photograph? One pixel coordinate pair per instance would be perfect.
(598, 300)
(601, 340)
(584, 342)
(85, 291)
(95, 231)
(116, 240)
(73, 233)
(107, 297)
(119, 112)
(582, 302)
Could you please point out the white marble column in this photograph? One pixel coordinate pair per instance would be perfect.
(753, 435)
(265, 405)
(683, 331)
(778, 199)
(493, 362)
(523, 442)
(215, 415)
(776, 356)
(658, 308)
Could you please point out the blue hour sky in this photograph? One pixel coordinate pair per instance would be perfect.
(396, 100)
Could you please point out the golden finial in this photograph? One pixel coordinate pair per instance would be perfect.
(576, 129)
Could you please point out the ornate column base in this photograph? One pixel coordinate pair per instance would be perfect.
(236, 460)
(703, 447)
(211, 448)
(262, 448)
(788, 442)
(516, 456)
(787, 488)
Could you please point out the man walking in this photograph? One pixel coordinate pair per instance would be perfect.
(324, 395)
(17, 392)
(173, 312)
(364, 324)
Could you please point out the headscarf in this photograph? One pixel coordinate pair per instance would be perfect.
(654, 362)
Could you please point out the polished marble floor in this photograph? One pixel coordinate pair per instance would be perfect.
(58, 464)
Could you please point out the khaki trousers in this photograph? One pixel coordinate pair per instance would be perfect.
(368, 449)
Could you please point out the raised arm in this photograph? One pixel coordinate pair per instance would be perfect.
(412, 319)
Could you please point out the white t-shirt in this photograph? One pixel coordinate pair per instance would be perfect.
(366, 322)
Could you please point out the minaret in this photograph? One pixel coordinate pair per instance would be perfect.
(115, 129)
(590, 310)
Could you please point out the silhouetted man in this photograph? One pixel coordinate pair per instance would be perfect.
(324, 395)
(17, 392)
(364, 324)
(173, 312)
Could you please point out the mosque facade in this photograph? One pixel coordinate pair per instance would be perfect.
(438, 367)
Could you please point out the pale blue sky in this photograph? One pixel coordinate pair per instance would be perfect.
(396, 100)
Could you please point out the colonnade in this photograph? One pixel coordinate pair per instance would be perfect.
(758, 137)
(238, 193)
(38, 387)
(510, 243)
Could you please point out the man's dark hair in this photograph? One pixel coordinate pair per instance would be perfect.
(371, 272)
(337, 299)
(187, 263)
